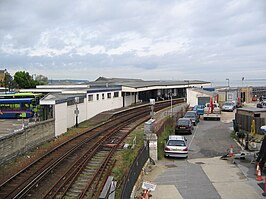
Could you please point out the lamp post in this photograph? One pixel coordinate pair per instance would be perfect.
(76, 110)
(227, 82)
(243, 81)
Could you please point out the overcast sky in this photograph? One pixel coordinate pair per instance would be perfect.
(148, 39)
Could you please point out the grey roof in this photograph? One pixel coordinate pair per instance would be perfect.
(116, 80)
(210, 93)
(138, 83)
(61, 98)
(162, 83)
(252, 109)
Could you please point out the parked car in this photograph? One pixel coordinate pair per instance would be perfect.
(199, 109)
(193, 116)
(261, 104)
(183, 125)
(176, 146)
(229, 106)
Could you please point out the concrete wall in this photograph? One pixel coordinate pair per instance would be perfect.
(192, 97)
(71, 116)
(99, 105)
(24, 140)
(131, 98)
(60, 119)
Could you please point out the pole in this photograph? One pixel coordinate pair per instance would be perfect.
(227, 82)
(77, 115)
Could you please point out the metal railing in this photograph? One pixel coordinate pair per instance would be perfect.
(134, 172)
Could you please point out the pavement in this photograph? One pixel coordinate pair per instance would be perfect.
(203, 178)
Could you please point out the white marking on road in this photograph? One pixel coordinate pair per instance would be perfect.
(196, 129)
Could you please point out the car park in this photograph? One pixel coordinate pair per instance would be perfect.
(176, 146)
(228, 106)
(183, 125)
(193, 116)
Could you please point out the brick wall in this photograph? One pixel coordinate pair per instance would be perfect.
(19, 142)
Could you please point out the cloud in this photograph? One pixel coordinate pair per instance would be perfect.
(186, 39)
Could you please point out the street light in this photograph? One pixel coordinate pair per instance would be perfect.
(243, 81)
(76, 110)
(228, 82)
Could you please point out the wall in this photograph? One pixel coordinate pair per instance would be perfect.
(24, 140)
(71, 116)
(95, 106)
(131, 98)
(60, 118)
(192, 97)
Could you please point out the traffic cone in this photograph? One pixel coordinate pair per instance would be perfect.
(231, 151)
(259, 178)
(257, 168)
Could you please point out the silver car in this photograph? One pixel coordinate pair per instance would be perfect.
(228, 106)
(176, 146)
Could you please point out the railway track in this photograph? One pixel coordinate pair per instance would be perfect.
(80, 166)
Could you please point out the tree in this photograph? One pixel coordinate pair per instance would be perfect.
(7, 81)
(41, 79)
(24, 80)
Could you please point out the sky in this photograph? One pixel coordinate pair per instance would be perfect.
(147, 39)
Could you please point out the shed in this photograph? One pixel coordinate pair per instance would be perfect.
(197, 96)
(244, 117)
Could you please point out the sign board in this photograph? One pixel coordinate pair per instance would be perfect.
(23, 115)
(148, 186)
(263, 129)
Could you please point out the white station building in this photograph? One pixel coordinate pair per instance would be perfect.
(72, 104)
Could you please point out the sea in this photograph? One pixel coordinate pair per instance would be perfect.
(240, 83)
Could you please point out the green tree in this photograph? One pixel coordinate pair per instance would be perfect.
(8, 81)
(24, 80)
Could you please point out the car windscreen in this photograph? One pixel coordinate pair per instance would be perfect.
(228, 104)
(190, 114)
(182, 122)
(176, 143)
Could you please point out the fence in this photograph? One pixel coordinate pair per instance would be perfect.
(134, 171)
(244, 122)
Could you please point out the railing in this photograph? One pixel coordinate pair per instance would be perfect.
(134, 171)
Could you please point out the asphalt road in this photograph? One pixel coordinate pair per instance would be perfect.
(212, 138)
(209, 139)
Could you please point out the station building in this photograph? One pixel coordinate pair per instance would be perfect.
(72, 104)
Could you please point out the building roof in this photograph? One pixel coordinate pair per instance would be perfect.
(205, 92)
(58, 98)
(252, 109)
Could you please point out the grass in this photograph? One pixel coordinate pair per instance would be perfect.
(161, 140)
(125, 157)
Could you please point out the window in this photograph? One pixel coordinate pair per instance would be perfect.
(103, 96)
(90, 97)
(116, 94)
(108, 95)
(97, 97)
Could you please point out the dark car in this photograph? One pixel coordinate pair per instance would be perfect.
(261, 104)
(184, 125)
(193, 116)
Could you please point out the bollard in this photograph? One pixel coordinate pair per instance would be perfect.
(231, 154)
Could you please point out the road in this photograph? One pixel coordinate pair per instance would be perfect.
(203, 175)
